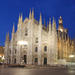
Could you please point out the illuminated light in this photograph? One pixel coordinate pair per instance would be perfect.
(0, 56)
(61, 30)
(3, 58)
(22, 42)
(60, 21)
(71, 56)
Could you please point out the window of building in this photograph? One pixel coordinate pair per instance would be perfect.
(45, 48)
(36, 60)
(15, 51)
(9, 60)
(26, 32)
(36, 49)
(10, 51)
(36, 40)
(15, 61)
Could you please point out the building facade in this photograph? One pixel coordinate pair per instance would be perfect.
(1, 54)
(34, 43)
(65, 44)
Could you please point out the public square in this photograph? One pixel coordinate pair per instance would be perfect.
(36, 71)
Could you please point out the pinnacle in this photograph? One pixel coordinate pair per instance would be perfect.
(13, 29)
(40, 21)
(30, 14)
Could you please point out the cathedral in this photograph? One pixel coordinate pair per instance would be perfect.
(34, 43)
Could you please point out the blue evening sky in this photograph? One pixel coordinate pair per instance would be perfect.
(10, 9)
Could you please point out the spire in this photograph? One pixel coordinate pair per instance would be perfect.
(60, 17)
(13, 29)
(60, 20)
(60, 24)
(30, 14)
(47, 25)
(40, 21)
(20, 18)
(7, 36)
(50, 24)
(44, 22)
(13, 32)
(68, 37)
(54, 24)
(53, 20)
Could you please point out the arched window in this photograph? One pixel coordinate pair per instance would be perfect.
(9, 60)
(15, 51)
(10, 51)
(36, 49)
(45, 48)
(36, 39)
(36, 60)
(26, 32)
(15, 61)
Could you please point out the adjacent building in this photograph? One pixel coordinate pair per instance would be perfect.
(1, 54)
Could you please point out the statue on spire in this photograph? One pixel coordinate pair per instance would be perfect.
(60, 20)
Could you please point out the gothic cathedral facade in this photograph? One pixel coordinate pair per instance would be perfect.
(34, 43)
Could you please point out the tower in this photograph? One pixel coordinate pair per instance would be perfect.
(60, 28)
